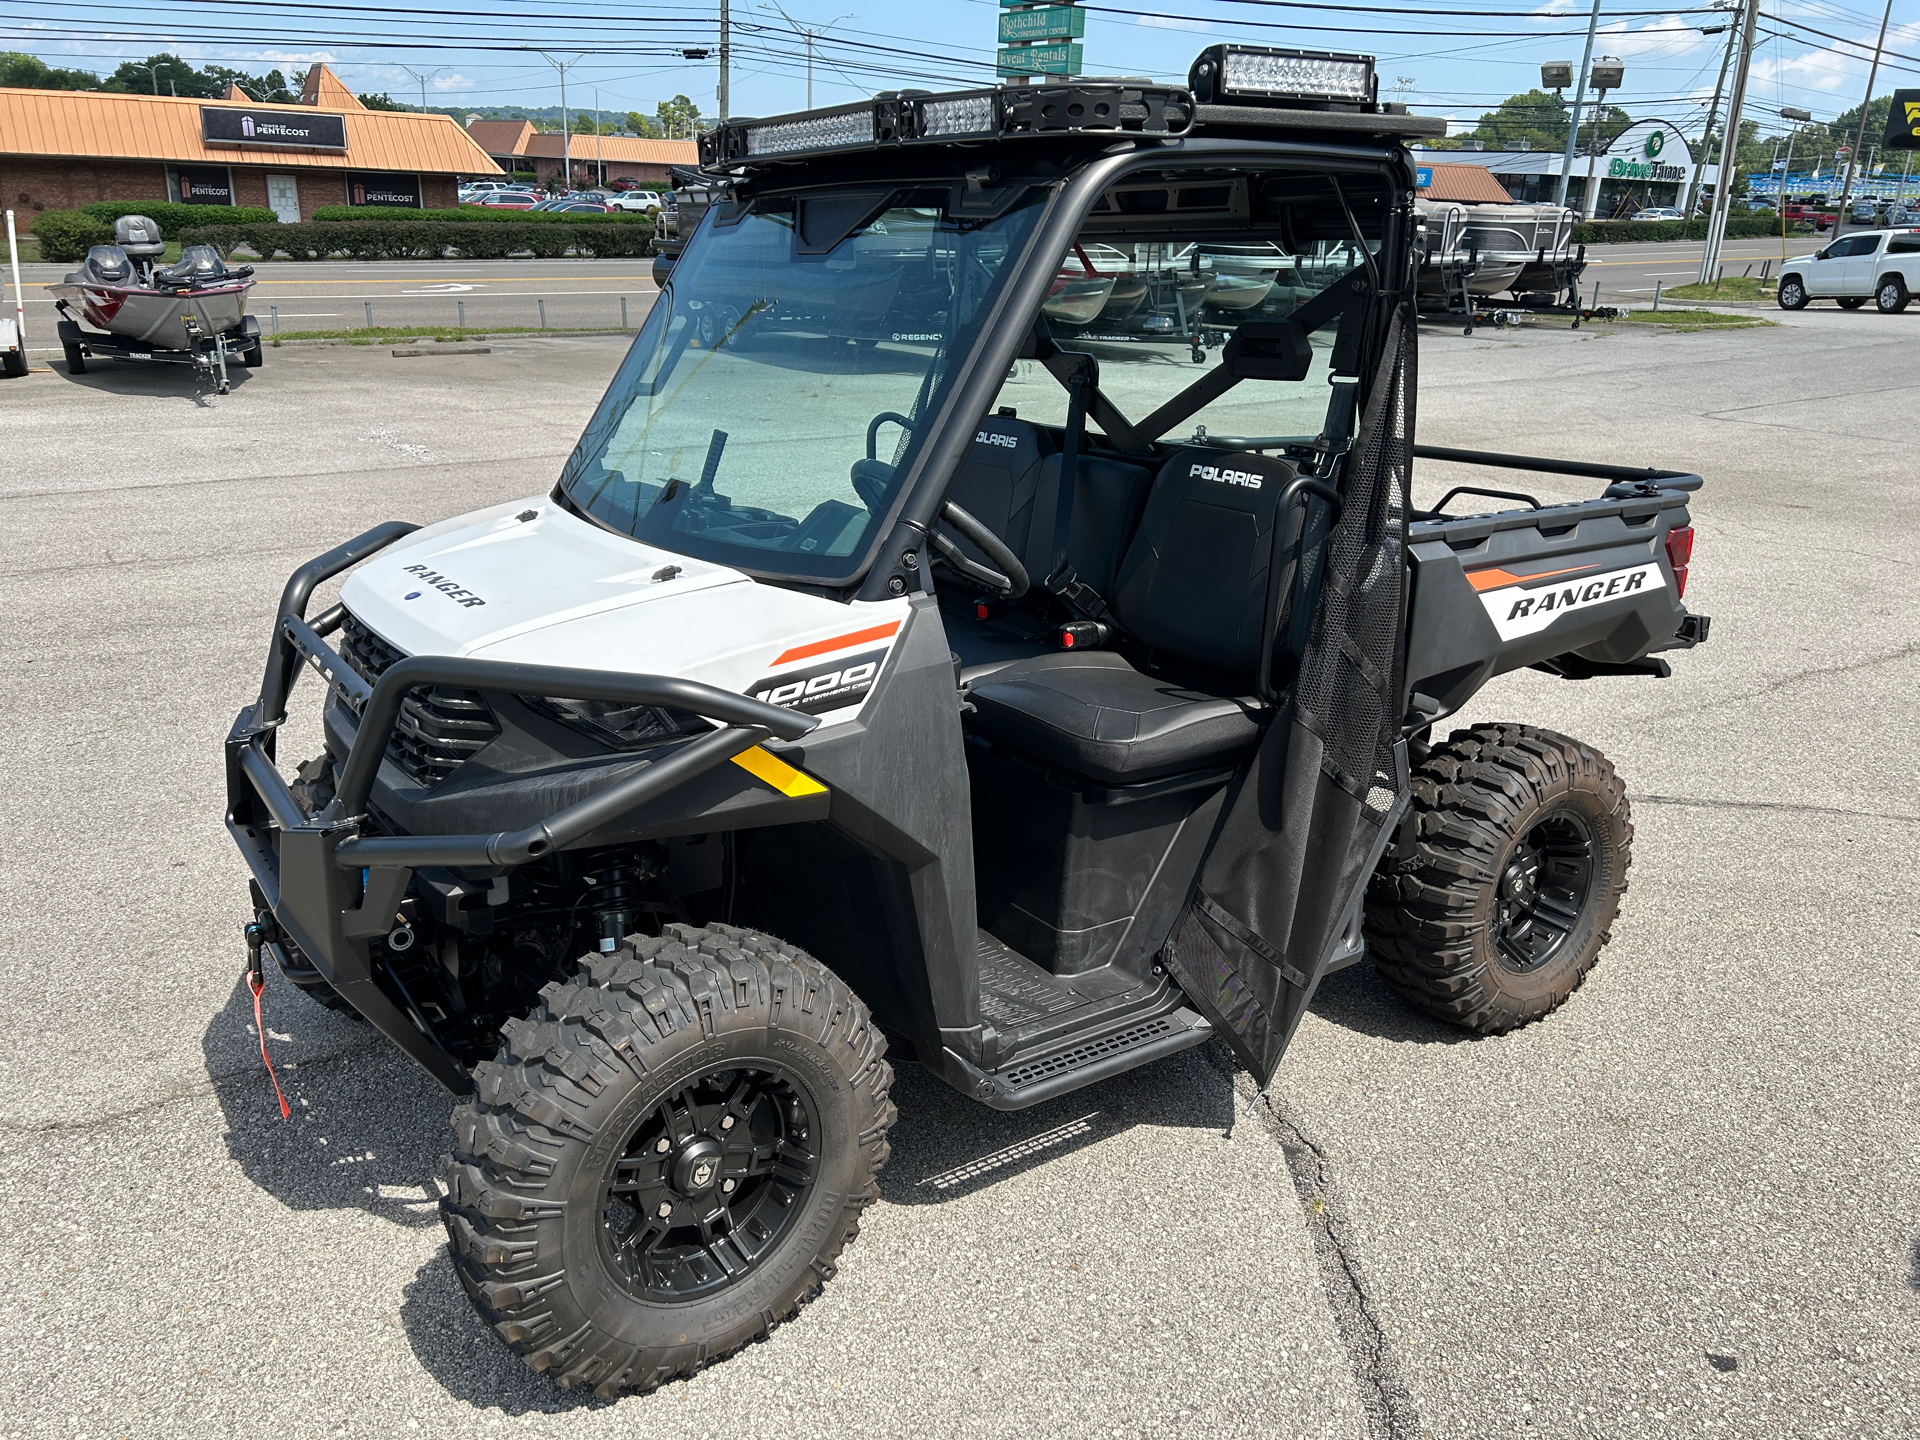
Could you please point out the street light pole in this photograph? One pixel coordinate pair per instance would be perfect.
(1860, 136)
(423, 77)
(1579, 94)
(1730, 145)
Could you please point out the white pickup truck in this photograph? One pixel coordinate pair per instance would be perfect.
(1878, 265)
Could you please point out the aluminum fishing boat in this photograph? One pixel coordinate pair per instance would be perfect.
(192, 312)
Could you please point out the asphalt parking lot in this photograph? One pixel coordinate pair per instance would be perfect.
(1686, 1204)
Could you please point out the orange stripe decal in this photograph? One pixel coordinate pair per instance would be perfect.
(1493, 577)
(839, 642)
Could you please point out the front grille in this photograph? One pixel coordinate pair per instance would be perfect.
(438, 729)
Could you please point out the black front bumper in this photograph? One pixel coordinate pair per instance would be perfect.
(331, 886)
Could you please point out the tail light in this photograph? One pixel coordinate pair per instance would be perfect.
(1679, 555)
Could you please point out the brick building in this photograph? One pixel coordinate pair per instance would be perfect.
(61, 149)
(597, 159)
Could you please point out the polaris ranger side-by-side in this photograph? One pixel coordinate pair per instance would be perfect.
(984, 623)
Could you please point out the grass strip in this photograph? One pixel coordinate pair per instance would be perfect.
(1733, 289)
(1684, 320)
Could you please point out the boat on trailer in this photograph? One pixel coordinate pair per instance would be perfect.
(189, 313)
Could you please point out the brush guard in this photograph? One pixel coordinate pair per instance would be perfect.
(331, 883)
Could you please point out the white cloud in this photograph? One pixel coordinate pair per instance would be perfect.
(1173, 22)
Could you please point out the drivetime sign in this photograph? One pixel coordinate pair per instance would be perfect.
(276, 129)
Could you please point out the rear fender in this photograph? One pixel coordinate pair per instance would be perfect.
(1493, 593)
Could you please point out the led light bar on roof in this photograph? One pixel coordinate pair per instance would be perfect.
(814, 132)
(963, 115)
(1063, 108)
(1229, 74)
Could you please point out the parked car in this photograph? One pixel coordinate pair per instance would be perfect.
(1864, 212)
(1878, 265)
(572, 206)
(645, 202)
(1659, 212)
(509, 200)
(1803, 213)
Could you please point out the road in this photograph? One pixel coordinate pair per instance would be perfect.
(588, 294)
(1687, 1204)
(342, 294)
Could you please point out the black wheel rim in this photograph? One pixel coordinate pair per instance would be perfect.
(708, 1183)
(1542, 891)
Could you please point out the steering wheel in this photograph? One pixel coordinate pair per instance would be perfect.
(1010, 580)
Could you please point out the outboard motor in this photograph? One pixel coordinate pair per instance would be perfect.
(197, 265)
(109, 265)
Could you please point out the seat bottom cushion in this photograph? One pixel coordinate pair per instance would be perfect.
(1095, 714)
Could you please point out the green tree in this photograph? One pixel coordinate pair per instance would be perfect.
(1533, 121)
(270, 88)
(383, 101)
(1611, 122)
(678, 118)
(583, 125)
(642, 125)
(30, 72)
(162, 74)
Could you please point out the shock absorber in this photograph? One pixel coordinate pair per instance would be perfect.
(614, 890)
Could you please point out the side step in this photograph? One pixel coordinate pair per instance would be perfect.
(1053, 1034)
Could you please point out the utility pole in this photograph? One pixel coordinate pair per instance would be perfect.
(423, 77)
(1722, 186)
(1860, 136)
(599, 166)
(726, 59)
(1713, 111)
(566, 120)
(1579, 94)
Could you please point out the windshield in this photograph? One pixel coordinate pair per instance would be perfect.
(777, 390)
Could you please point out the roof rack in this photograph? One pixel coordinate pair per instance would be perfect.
(1230, 87)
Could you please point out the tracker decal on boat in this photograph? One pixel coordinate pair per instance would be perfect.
(1516, 610)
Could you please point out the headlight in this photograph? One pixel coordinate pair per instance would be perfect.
(616, 723)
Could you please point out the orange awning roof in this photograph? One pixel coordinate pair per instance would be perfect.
(621, 149)
(1466, 185)
(500, 137)
(97, 125)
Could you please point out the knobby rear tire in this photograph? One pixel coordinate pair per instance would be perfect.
(1432, 905)
(526, 1206)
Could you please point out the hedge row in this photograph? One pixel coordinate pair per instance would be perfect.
(172, 218)
(1610, 232)
(481, 215)
(424, 240)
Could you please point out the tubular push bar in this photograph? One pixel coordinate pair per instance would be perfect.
(745, 723)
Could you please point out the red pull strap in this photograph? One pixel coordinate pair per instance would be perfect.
(256, 985)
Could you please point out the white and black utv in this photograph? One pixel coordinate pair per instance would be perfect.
(983, 624)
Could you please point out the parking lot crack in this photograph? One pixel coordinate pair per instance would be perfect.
(1779, 806)
(1385, 1401)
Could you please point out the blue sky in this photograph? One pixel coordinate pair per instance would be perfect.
(1449, 57)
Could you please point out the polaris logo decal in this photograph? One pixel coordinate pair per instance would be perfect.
(1214, 473)
(822, 688)
(450, 588)
(989, 437)
(1517, 611)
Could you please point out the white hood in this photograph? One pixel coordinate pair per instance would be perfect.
(556, 590)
